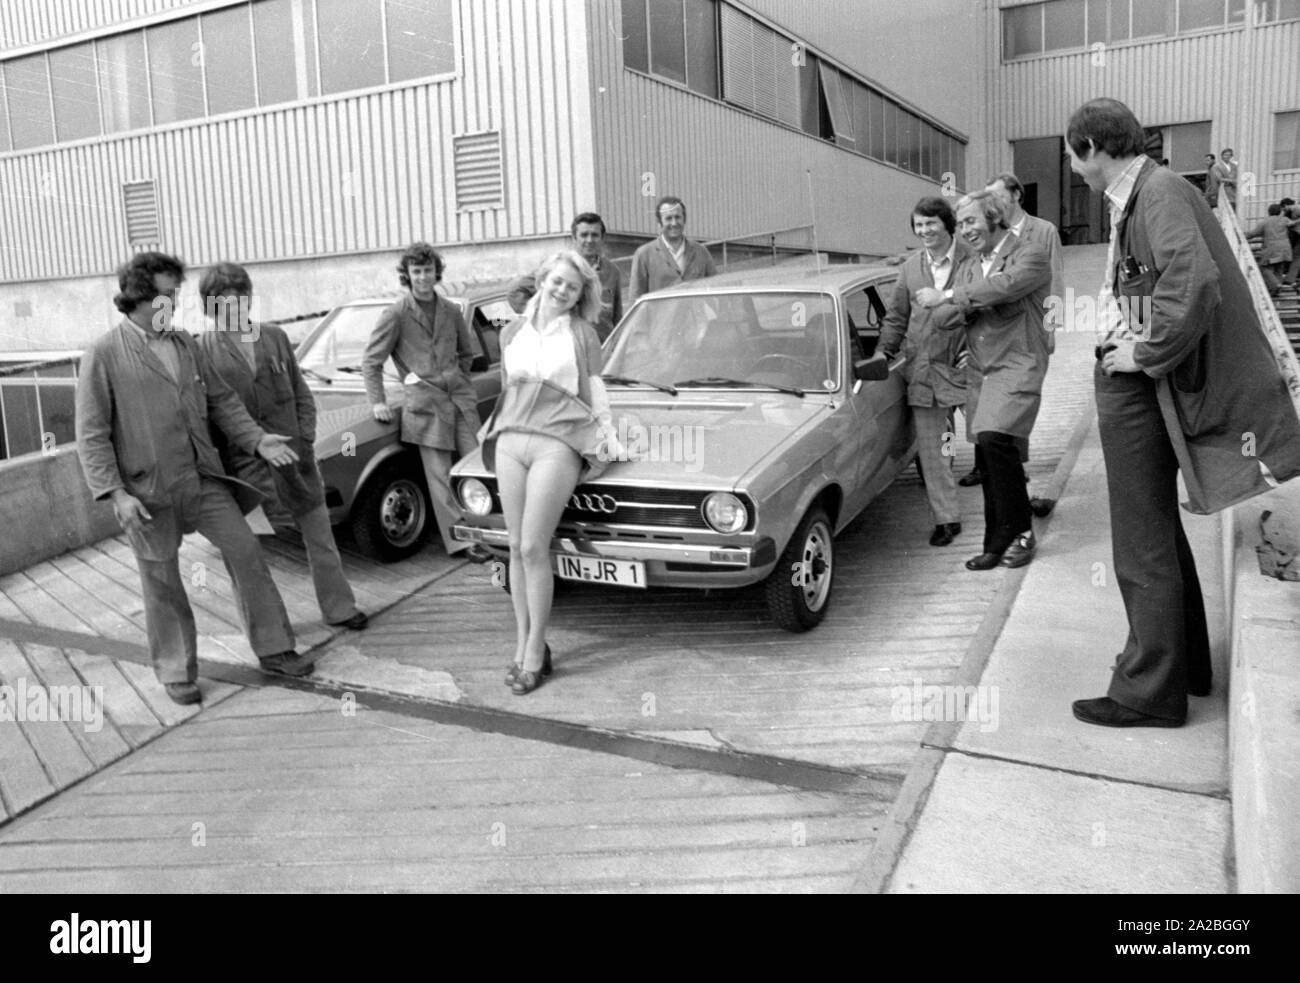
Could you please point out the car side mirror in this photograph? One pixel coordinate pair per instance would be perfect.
(871, 369)
(480, 363)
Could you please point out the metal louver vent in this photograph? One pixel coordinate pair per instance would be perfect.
(478, 171)
(140, 202)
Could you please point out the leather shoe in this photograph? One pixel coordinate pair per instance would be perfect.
(1105, 712)
(972, 478)
(1042, 507)
(357, 622)
(1021, 550)
(944, 533)
(514, 669)
(183, 693)
(288, 663)
(478, 554)
(985, 561)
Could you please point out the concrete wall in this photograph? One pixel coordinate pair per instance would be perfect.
(46, 509)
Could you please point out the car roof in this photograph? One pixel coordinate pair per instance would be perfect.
(774, 278)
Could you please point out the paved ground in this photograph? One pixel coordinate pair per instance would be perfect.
(682, 743)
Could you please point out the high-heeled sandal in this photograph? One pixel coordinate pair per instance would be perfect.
(514, 669)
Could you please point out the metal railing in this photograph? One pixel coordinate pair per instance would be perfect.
(1268, 316)
(34, 426)
(1254, 197)
(759, 248)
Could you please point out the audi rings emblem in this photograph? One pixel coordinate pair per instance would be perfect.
(594, 503)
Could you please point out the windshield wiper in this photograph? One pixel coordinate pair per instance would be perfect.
(317, 375)
(623, 380)
(723, 381)
(348, 368)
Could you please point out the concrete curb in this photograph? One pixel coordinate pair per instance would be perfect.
(1264, 700)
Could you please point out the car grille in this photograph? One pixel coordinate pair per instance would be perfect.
(600, 504)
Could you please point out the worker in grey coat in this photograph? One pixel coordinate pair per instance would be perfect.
(145, 395)
(258, 363)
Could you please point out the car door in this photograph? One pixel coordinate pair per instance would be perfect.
(487, 320)
(883, 435)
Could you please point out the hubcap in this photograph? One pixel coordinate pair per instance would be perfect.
(401, 513)
(818, 563)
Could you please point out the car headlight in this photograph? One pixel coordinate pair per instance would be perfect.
(724, 512)
(476, 498)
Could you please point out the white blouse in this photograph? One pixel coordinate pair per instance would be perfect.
(545, 354)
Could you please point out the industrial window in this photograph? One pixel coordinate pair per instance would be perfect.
(673, 39)
(1286, 141)
(175, 71)
(420, 39)
(241, 57)
(76, 93)
(227, 54)
(285, 35)
(478, 171)
(1062, 25)
(27, 89)
(140, 204)
(1275, 10)
(123, 82)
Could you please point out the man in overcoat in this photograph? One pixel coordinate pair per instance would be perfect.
(1186, 381)
(145, 395)
(935, 383)
(429, 342)
(257, 361)
(671, 257)
(1000, 292)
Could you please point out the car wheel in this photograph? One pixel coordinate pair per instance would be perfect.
(390, 516)
(799, 589)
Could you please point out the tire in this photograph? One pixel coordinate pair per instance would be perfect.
(391, 515)
(809, 559)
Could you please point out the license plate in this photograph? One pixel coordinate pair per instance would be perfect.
(597, 570)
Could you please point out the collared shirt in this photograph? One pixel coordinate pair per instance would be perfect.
(1019, 227)
(163, 345)
(941, 269)
(678, 254)
(1111, 326)
(987, 261)
(546, 353)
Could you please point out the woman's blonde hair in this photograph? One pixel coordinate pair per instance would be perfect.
(589, 301)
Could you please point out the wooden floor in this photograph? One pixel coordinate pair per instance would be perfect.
(293, 795)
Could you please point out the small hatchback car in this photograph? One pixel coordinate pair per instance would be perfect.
(759, 425)
(373, 482)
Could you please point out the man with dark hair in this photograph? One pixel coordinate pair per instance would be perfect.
(1225, 177)
(145, 396)
(588, 232)
(670, 258)
(257, 361)
(998, 295)
(935, 382)
(1183, 372)
(429, 342)
(1275, 256)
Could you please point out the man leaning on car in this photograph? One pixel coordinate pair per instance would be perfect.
(429, 342)
(935, 383)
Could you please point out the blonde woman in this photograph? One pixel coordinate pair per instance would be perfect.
(551, 428)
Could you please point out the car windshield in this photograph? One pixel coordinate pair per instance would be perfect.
(344, 335)
(731, 340)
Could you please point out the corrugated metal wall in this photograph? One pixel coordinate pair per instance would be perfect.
(25, 22)
(739, 174)
(338, 175)
(1237, 79)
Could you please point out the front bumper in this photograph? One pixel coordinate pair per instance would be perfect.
(667, 564)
